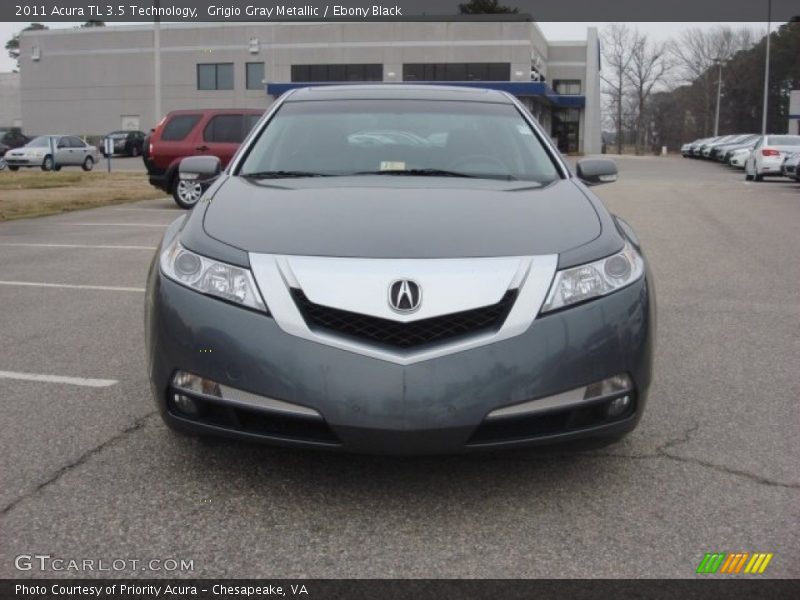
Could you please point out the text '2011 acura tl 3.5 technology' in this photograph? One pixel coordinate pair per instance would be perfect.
(404, 270)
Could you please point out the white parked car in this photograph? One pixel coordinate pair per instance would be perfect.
(51, 152)
(739, 157)
(767, 157)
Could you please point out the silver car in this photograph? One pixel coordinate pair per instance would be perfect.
(51, 152)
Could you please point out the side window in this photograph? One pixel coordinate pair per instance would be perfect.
(250, 122)
(225, 129)
(178, 127)
(76, 142)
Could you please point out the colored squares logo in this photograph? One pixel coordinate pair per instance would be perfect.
(734, 563)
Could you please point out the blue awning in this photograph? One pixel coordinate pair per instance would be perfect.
(538, 89)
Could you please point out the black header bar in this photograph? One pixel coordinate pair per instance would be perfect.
(711, 588)
(196, 11)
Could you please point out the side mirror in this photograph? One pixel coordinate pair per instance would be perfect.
(594, 171)
(202, 169)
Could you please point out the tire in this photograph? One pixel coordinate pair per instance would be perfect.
(88, 163)
(185, 193)
(2, 164)
(13, 168)
(134, 151)
(758, 177)
(47, 163)
(58, 168)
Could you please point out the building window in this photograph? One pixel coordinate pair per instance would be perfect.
(457, 72)
(365, 72)
(215, 76)
(254, 75)
(567, 87)
(566, 129)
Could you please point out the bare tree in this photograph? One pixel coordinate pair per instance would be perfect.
(648, 69)
(696, 50)
(617, 43)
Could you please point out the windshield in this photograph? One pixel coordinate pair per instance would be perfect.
(397, 137)
(43, 141)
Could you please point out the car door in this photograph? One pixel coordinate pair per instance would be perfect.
(63, 151)
(223, 134)
(79, 150)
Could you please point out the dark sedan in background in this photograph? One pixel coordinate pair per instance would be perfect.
(403, 270)
(127, 143)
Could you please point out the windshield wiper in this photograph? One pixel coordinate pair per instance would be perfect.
(417, 172)
(282, 174)
(433, 173)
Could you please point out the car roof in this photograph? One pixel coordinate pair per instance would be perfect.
(194, 111)
(391, 91)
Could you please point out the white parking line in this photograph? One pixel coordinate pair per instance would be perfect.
(73, 286)
(115, 224)
(58, 379)
(103, 247)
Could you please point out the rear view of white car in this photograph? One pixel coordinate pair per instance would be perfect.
(767, 157)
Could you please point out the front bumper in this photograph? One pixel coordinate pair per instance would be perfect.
(373, 406)
(18, 161)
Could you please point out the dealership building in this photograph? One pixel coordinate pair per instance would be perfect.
(94, 80)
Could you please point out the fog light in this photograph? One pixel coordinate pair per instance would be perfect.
(618, 406)
(193, 383)
(186, 405)
(612, 385)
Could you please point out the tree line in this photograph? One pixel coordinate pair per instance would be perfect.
(665, 93)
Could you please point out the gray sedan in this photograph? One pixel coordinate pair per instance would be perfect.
(52, 152)
(341, 288)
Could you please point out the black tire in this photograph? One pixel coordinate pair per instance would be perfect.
(186, 194)
(134, 151)
(88, 163)
(57, 168)
(47, 163)
(758, 177)
(13, 168)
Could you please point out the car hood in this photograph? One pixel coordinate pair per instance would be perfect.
(401, 217)
(26, 151)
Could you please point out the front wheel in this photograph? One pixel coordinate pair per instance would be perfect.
(88, 163)
(135, 151)
(47, 163)
(13, 168)
(186, 193)
(2, 164)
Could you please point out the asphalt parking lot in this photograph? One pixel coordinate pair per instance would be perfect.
(88, 471)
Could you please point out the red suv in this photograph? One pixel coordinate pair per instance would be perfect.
(216, 132)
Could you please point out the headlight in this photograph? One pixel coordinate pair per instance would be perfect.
(595, 279)
(211, 277)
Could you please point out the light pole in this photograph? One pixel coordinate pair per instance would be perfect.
(766, 73)
(718, 62)
(157, 62)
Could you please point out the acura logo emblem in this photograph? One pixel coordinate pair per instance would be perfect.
(405, 296)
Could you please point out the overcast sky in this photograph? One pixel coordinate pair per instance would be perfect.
(552, 31)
